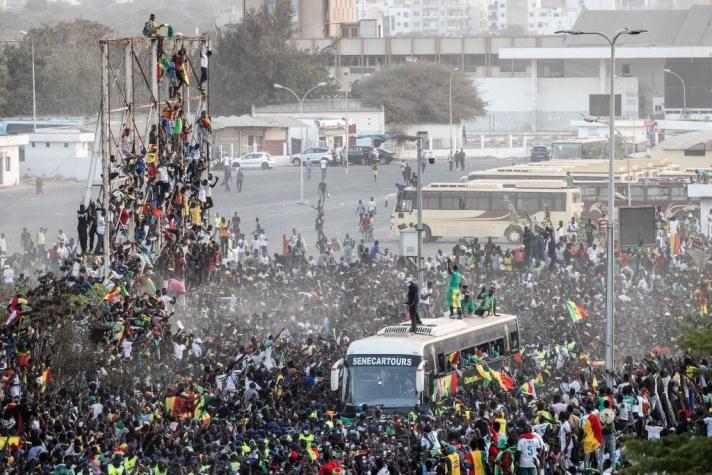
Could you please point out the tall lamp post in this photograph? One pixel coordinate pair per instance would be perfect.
(301, 119)
(684, 91)
(452, 73)
(610, 258)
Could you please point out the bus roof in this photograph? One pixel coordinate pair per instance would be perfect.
(496, 185)
(398, 339)
(558, 168)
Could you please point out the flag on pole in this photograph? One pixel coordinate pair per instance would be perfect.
(576, 311)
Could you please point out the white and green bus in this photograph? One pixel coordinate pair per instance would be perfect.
(395, 369)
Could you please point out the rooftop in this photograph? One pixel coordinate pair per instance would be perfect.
(692, 27)
(315, 106)
(250, 121)
(685, 141)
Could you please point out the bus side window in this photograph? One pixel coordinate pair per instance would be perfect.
(497, 348)
(483, 351)
(514, 341)
(678, 193)
(441, 364)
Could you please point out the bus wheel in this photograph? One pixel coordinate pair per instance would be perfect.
(513, 234)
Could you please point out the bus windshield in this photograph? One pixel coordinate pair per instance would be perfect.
(387, 386)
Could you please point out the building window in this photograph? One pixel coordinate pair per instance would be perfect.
(33, 145)
(47, 144)
(7, 164)
(626, 70)
(66, 145)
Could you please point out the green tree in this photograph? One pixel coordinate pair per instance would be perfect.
(67, 70)
(419, 92)
(674, 454)
(254, 55)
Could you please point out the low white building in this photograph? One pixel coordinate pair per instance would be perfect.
(329, 112)
(10, 158)
(61, 153)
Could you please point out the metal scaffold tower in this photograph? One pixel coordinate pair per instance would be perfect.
(154, 141)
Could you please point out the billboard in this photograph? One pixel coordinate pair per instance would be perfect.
(637, 224)
(598, 105)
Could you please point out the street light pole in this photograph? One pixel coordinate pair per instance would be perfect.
(419, 204)
(346, 143)
(452, 73)
(684, 91)
(610, 258)
(301, 119)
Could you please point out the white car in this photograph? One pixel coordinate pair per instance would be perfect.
(261, 160)
(314, 155)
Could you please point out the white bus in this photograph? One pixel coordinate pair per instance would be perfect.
(395, 369)
(486, 208)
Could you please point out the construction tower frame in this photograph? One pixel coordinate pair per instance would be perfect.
(137, 88)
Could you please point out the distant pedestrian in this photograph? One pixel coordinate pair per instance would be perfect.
(323, 164)
(374, 171)
(451, 159)
(239, 178)
(462, 159)
(308, 166)
(39, 186)
(227, 178)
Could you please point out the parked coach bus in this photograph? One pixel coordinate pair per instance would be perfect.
(395, 369)
(484, 208)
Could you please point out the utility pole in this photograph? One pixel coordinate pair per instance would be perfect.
(419, 204)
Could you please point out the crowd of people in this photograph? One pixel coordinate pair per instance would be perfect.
(194, 350)
(232, 377)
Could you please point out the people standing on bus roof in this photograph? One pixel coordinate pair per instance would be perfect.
(453, 293)
(412, 302)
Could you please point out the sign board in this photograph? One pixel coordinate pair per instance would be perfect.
(637, 224)
(409, 243)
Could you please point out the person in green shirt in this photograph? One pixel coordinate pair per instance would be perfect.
(489, 304)
(468, 304)
(453, 291)
(568, 179)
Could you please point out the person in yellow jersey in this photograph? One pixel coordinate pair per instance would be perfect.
(130, 463)
(452, 461)
(116, 466)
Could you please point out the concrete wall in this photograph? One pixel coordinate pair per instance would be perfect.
(513, 107)
(366, 122)
(56, 159)
(9, 165)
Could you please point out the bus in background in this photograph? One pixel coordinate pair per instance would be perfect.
(579, 149)
(486, 208)
(396, 369)
(667, 193)
(595, 148)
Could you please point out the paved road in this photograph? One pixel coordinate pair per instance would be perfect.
(271, 195)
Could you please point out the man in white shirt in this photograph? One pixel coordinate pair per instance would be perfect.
(178, 349)
(566, 442)
(3, 244)
(528, 448)
(204, 68)
(372, 207)
(593, 254)
(323, 164)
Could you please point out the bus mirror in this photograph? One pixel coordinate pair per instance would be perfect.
(336, 374)
(420, 377)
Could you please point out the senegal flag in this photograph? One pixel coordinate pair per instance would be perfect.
(592, 433)
(504, 380)
(576, 311)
